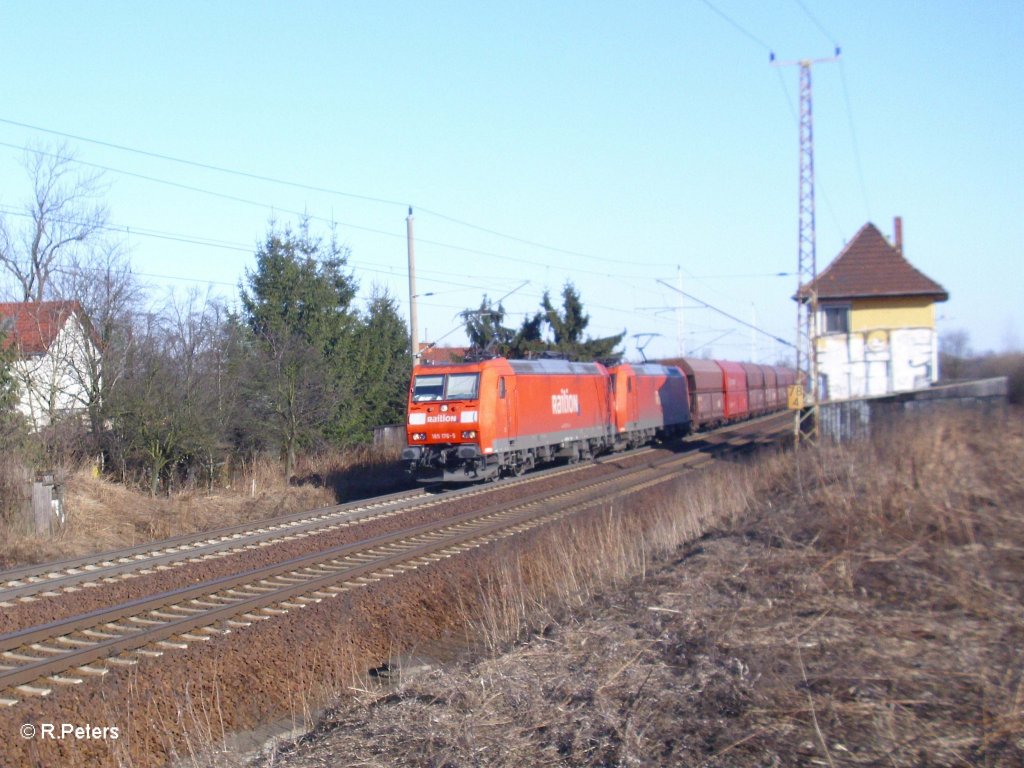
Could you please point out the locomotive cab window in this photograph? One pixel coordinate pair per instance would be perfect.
(427, 388)
(438, 386)
(462, 386)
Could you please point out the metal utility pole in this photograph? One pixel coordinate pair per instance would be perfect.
(753, 335)
(414, 331)
(680, 327)
(806, 418)
(805, 402)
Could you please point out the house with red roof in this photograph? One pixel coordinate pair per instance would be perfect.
(875, 326)
(432, 355)
(56, 358)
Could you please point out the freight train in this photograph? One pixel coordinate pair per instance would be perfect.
(481, 420)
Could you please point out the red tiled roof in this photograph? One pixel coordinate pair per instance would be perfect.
(870, 267)
(434, 355)
(31, 327)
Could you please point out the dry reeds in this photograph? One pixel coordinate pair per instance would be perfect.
(872, 617)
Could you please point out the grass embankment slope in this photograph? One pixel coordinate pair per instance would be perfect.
(102, 515)
(857, 605)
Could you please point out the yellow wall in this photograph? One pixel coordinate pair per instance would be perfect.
(906, 312)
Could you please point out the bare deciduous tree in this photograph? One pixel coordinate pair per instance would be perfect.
(101, 281)
(955, 354)
(65, 212)
(169, 417)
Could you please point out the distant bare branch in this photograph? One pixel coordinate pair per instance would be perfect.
(65, 210)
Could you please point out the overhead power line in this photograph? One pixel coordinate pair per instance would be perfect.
(304, 214)
(739, 27)
(198, 240)
(296, 185)
(197, 164)
(430, 276)
(846, 96)
(726, 314)
(856, 143)
(229, 246)
(209, 192)
(849, 108)
(816, 23)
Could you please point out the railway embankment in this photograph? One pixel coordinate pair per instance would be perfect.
(864, 606)
(861, 604)
(181, 698)
(101, 515)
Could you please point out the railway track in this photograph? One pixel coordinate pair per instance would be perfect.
(50, 579)
(91, 569)
(69, 651)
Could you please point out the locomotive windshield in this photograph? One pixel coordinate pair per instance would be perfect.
(427, 388)
(453, 386)
(462, 386)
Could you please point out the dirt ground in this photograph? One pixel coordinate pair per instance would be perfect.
(869, 611)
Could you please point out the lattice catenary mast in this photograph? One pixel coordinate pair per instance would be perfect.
(806, 420)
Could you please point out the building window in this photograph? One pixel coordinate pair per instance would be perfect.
(835, 319)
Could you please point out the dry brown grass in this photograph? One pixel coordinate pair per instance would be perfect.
(103, 515)
(873, 617)
(354, 472)
(564, 567)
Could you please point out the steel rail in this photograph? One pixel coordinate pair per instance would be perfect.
(415, 543)
(224, 535)
(33, 579)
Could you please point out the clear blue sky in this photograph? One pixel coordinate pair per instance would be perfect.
(617, 143)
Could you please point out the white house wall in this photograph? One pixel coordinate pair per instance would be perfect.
(57, 382)
(877, 362)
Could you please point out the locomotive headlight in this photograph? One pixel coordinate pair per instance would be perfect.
(419, 435)
(469, 434)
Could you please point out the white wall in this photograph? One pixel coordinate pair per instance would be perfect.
(877, 362)
(57, 382)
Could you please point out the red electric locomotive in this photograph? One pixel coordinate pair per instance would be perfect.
(480, 420)
(650, 401)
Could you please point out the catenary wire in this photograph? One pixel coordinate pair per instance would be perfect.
(338, 192)
(352, 263)
(815, 21)
(299, 185)
(736, 25)
(849, 108)
(856, 143)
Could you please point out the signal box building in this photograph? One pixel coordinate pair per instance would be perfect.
(875, 327)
